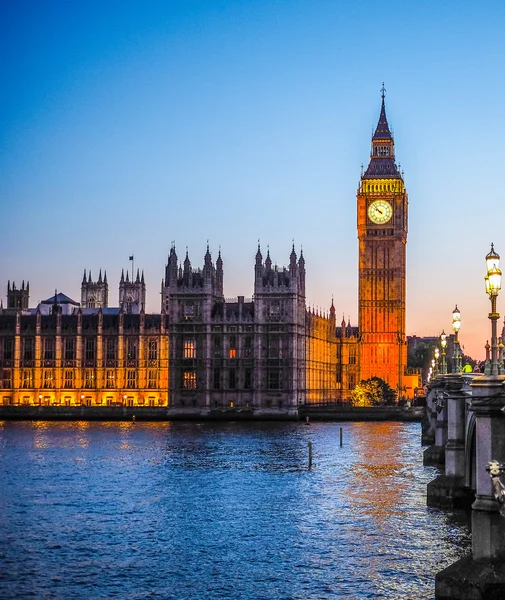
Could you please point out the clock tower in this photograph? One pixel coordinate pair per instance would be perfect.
(382, 204)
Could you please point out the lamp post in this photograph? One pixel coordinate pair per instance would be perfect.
(456, 324)
(436, 354)
(443, 362)
(493, 286)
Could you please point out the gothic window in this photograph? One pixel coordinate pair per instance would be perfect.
(91, 302)
(8, 349)
(189, 381)
(89, 378)
(233, 348)
(217, 379)
(217, 346)
(27, 379)
(153, 350)
(69, 349)
(152, 379)
(6, 377)
(275, 310)
(68, 381)
(28, 348)
(189, 311)
(129, 304)
(352, 381)
(247, 379)
(110, 380)
(247, 346)
(131, 349)
(273, 348)
(131, 381)
(274, 380)
(232, 380)
(48, 379)
(48, 348)
(90, 348)
(352, 355)
(189, 348)
(111, 349)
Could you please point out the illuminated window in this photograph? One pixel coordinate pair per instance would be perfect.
(26, 379)
(110, 380)
(233, 353)
(189, 380)
(152, 379)
(153, 350)
(68, 381)
(89, 378)
(189, 349)
(47, 381)
(131, 381)
(6, 378)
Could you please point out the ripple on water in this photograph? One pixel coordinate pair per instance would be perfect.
(213, 511)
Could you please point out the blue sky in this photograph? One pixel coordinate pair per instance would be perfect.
(126, 125)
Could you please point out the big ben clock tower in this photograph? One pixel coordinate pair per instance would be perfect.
(382, 233)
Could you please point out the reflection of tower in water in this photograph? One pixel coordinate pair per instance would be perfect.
(379, 476)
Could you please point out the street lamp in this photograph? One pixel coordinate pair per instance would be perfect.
(443, 362)
(456, 324)
(493, 286)
(436, 354)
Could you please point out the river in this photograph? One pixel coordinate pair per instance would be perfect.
(207, 511)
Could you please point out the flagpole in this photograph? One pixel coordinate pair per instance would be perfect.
(132, 258)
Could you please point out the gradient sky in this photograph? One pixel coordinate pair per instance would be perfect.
(126, 125)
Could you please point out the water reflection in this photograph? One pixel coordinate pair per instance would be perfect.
(212, 511)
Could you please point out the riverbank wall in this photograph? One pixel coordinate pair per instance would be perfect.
(128, 413)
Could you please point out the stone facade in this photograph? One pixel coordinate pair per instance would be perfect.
(382, 206)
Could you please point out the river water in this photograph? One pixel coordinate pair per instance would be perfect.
(189, 511)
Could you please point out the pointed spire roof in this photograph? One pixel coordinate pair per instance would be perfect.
(100, 276)
(382, 131)
(382, 156)
(84, 276)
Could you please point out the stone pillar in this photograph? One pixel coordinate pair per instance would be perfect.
(429, 419)
(488, 525)
(481, 575)
(435, 454)
(448, 490)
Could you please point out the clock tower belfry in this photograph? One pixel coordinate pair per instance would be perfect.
(382, 204)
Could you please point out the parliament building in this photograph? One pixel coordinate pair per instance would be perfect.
(203, 352)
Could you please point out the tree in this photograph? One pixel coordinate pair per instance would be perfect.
(373, 392)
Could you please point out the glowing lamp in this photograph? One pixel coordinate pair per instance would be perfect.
(493, 282)
(456, 320)
(443, 339)
(492, 259)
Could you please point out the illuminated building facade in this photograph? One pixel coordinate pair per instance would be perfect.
(382, 211)
(60, 354)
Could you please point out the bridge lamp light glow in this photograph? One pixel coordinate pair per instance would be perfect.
(493, 286)
(456, 324)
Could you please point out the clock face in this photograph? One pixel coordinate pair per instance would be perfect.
(380, 212)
